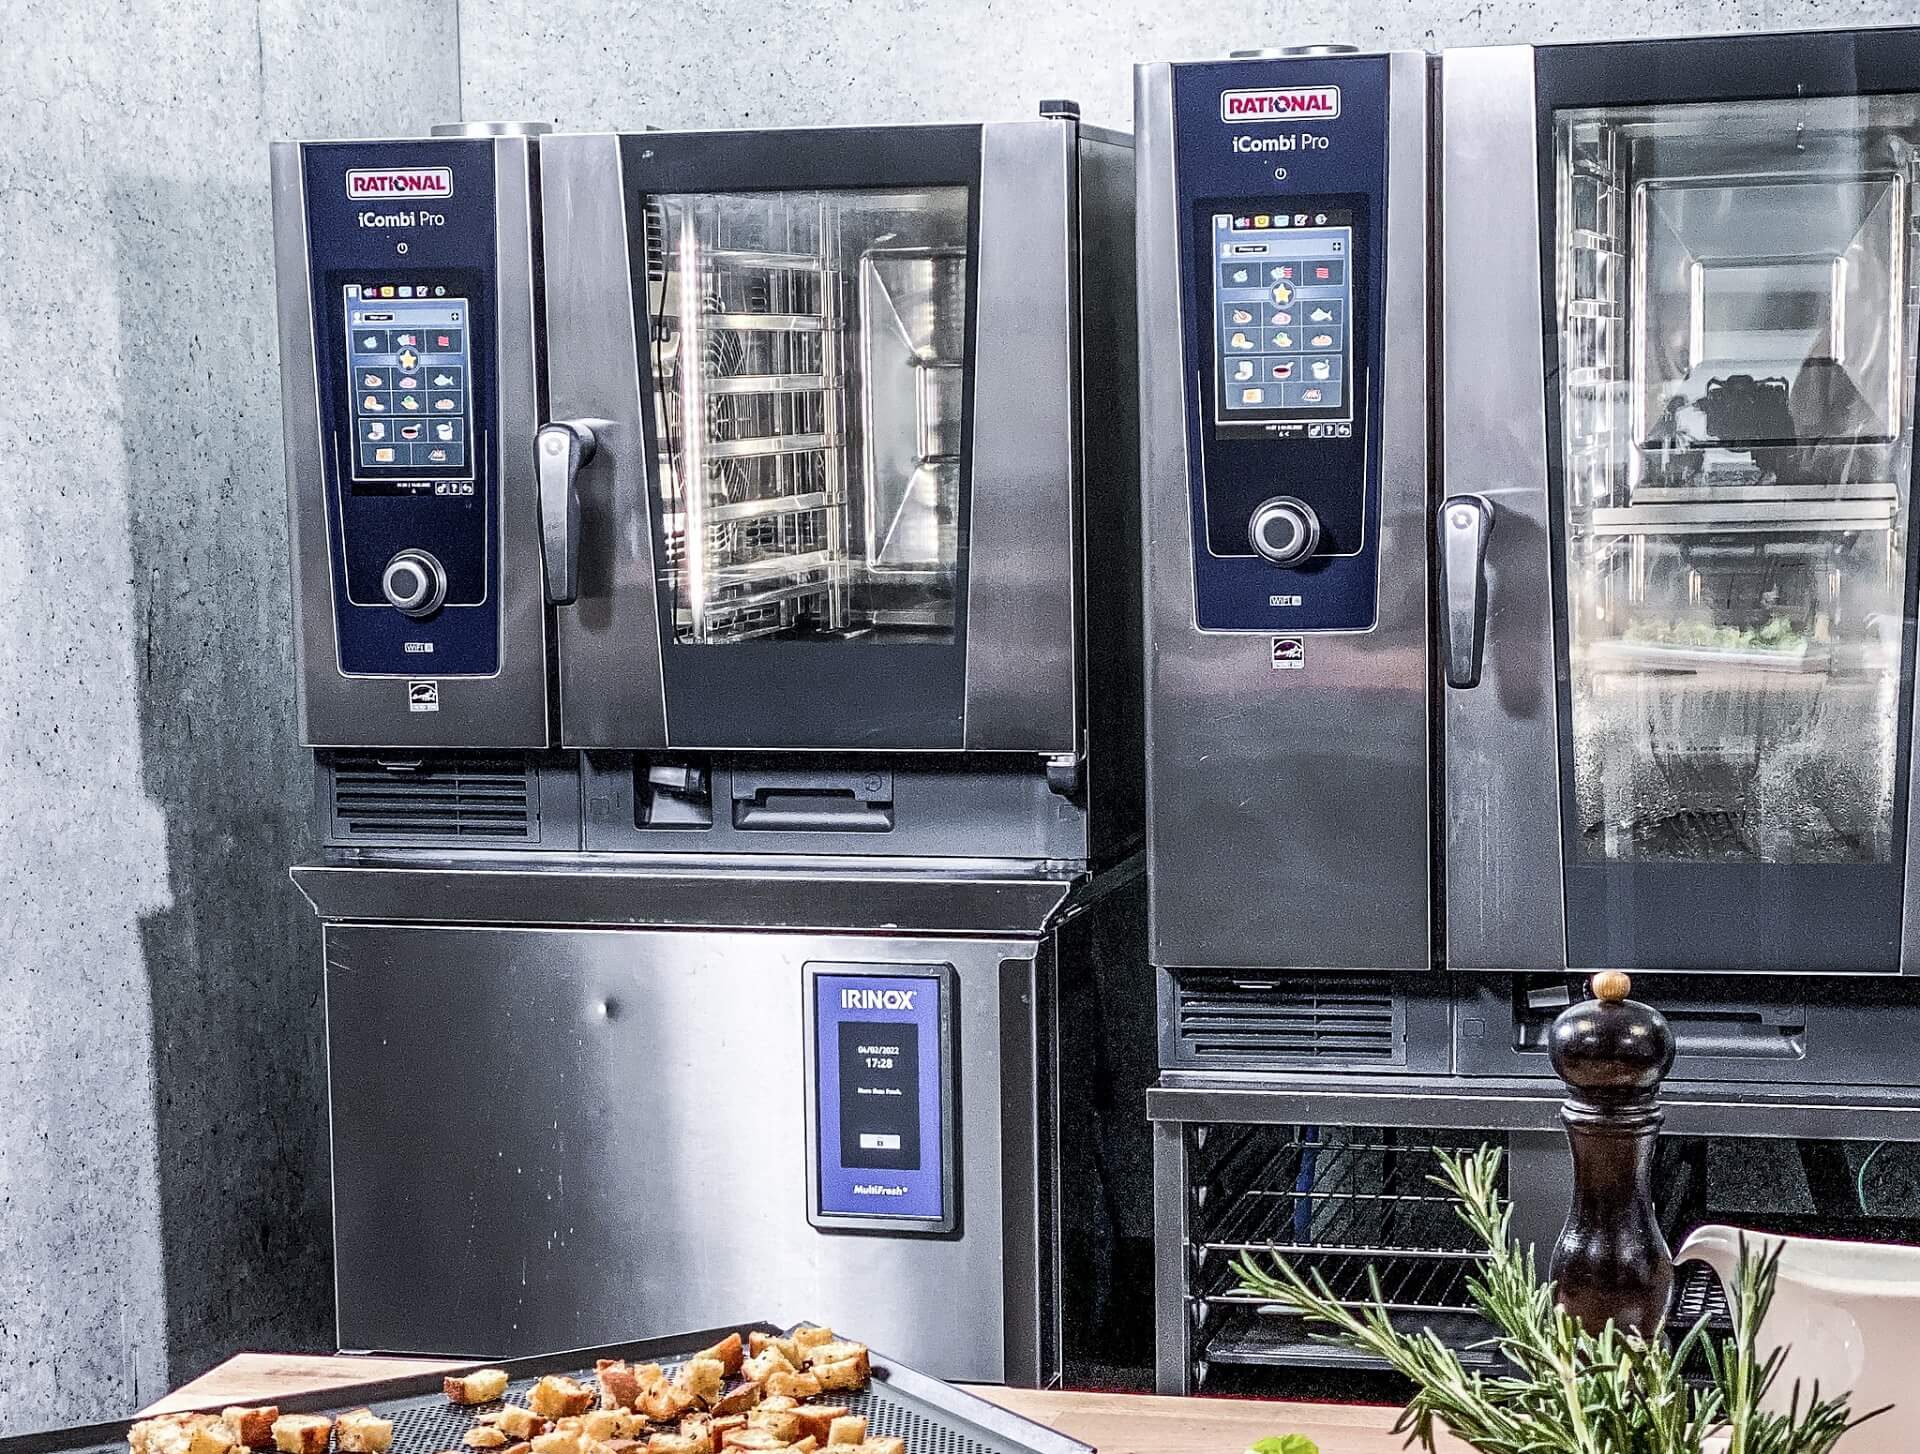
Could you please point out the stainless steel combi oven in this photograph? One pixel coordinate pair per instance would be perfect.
(718, 638)
(1528, 453)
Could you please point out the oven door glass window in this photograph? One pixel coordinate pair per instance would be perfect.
(1736, 334)
(809, 356)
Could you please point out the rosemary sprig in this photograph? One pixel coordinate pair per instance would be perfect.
(1569, 1391)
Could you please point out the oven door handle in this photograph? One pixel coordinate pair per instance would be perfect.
(1460, 534)
(560, 449)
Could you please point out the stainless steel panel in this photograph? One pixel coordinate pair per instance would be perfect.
(1490, 1104)
(646, 1169)
(1022, 692)
(716, 890)
(1503, 894)
(1287, 811)
(1172, 1334)
(508, 709)
(609, 638)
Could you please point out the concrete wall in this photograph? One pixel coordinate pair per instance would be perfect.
(162, 1108)
(589, 63)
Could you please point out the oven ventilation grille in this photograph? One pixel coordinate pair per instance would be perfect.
(466, 799)
(1229, 1020)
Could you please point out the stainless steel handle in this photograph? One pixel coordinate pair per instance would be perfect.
(560, 449)
(1461, 533)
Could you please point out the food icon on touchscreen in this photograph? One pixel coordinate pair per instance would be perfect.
(1240, 277)
(1242, 370)
(409, 431)
(1240, 315)
(443, 381)
(1321, 340)
(410, 404)
(377, 429)
(1320, 369)
(1240, 341)
(1283, 340)
(1253, 396)
(372, 405)
(407, 381)
(1320, 315)
(1283, 370)
(383, 456)
(370, 381)
(445, 406)
(1311, 395)
(1282, 317)
(1282, 293)
(443, 430)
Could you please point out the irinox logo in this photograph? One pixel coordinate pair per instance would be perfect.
(876, 999)
(1288, 103)
(418, 182)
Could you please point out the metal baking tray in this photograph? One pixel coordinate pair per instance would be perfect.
(933, 1417)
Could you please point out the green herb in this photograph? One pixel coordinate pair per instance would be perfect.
(1569, 1391)
(1284, 1444)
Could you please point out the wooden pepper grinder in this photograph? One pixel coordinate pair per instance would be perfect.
(1611, 1261)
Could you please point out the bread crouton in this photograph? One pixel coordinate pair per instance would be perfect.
(557, 1397)
(167, 1433)
(728, 1352)
(698, 1442)
(817, 1419)
(752, 1439)
(837, 1351)
(763, 1365)
(704, 1378)
(559, 1441)
(736, 1399)
(214, 1437)
(888, 1445)
(517, 1423)
(843, 1376)
(361, 1431)
(847, 1429)
(484, 1436)
(482, 1386)
(810, 1336)
(251, 1425)
(758, 1343)
(666, 1402)
(805, 1446)
(794, 1385)
(302, 1433)
(622, 1384)
(782, 1423)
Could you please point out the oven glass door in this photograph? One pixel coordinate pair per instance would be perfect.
(808, 393)
(808, 386)
(1735, 398)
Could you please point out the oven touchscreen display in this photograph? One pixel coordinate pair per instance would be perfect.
(1282, 320)
(408, 355)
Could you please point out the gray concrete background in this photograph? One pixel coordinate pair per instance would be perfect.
(162, 1109)
(631, 63)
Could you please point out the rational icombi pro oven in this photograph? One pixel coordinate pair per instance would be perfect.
(1528, 453)
(718, 634)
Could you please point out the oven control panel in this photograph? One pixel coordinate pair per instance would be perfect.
(401, 254)
(1281, 179)
(880, 1097)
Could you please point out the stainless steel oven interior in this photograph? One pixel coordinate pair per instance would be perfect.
(809, 356)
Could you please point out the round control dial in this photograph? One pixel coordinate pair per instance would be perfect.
(1284, 530)
(414, 582)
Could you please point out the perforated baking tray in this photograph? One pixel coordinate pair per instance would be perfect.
(931, 1416)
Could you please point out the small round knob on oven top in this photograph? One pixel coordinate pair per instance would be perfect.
(414, 582)
(1284, 530)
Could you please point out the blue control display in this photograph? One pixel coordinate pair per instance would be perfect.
(881, 1064)
(401, 253)
(1280, 175)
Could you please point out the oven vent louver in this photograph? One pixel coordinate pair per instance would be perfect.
(1233, 1020)
(463, 799)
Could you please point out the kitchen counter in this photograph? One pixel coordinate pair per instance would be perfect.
(1114, 1423)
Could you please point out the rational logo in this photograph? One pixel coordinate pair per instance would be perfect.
(851, 999)
(1282, 103)
(409, 182)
